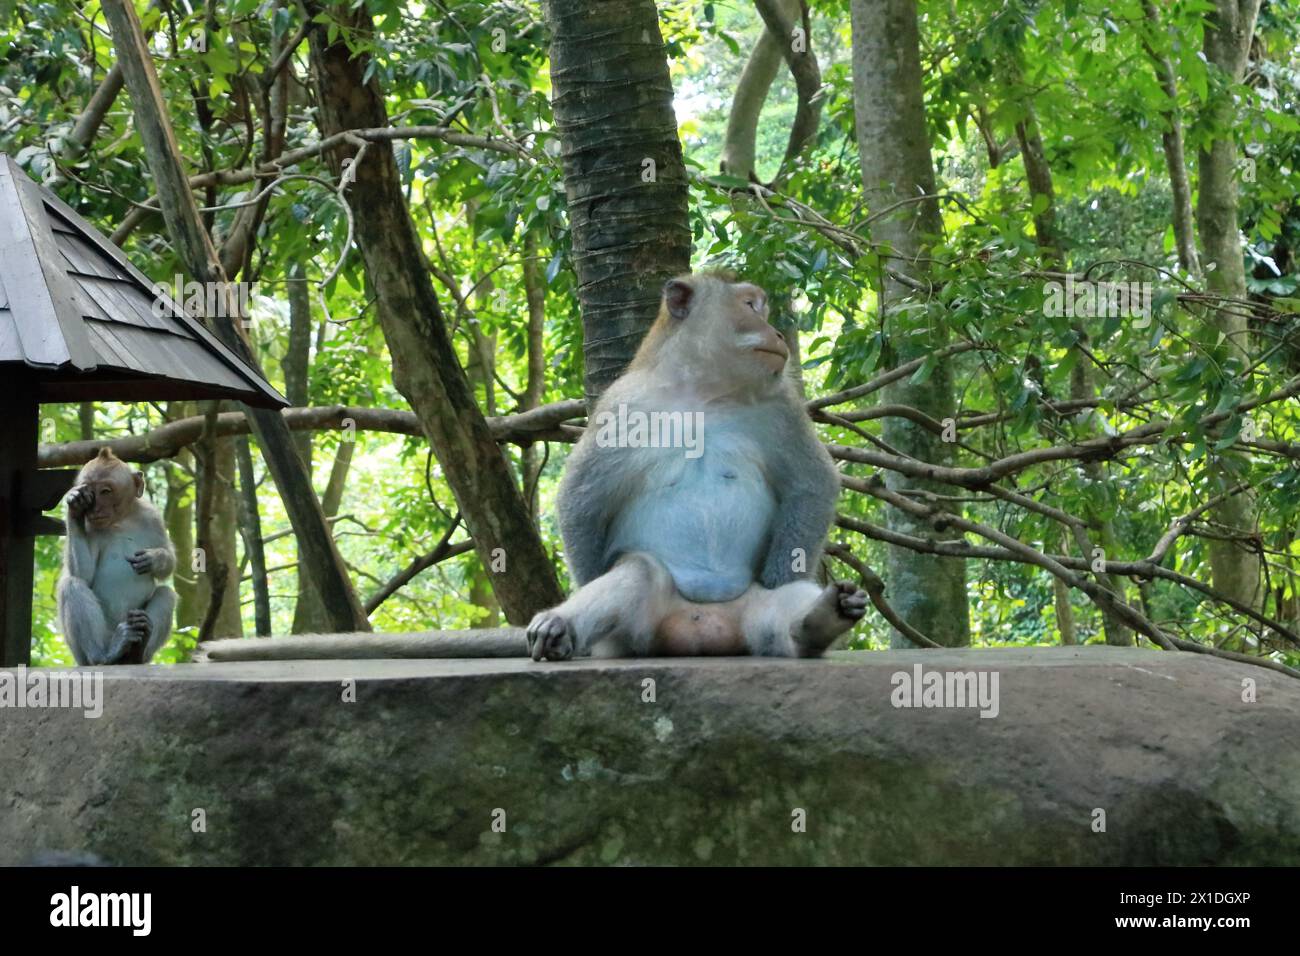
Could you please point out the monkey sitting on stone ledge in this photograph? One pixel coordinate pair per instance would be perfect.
(111, 607)
(696, 503)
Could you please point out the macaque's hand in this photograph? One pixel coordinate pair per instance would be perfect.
(143, 562)
(549, 637)
(80, 500)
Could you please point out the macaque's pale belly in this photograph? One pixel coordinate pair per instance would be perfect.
(119, 588)
(708, 519)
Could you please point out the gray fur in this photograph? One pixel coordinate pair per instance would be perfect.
(807, 485)
(799, 471)
(728, 524)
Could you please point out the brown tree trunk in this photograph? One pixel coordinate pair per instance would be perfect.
(1064, 613)
(481, 370)
(86, 420)
(1171, 138)
(178, 515)
(1235, 568)
(784, 19)
(774, 46)
(426, 369)
(296, 364)
(740, 143)
(338, 479)
(250, 525)
(308, 615)
(623, 172)
(219, 579)
(101, 101)
(929, 592)
(535, 294)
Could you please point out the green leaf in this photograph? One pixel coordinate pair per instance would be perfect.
(922, 374)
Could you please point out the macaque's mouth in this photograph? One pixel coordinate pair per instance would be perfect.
(772, 361)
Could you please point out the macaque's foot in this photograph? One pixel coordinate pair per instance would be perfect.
(549, 637)
(129, 638)
(80, 500)
(139, 624)
(852, 601)
(142, 562)
(836, 610)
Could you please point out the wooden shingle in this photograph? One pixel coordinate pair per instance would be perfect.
(80, 321)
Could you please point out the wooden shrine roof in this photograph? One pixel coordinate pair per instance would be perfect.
(84, 324)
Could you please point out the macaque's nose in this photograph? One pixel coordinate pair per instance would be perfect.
(779, 344)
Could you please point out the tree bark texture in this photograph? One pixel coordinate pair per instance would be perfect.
(1235, 568)
(623, 172)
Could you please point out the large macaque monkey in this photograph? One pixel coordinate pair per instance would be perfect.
(111, 606)
(694, 508)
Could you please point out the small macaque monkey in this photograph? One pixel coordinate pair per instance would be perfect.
(694, 508)
(112, 608)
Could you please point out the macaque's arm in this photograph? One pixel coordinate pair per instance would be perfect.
(589, 494)
(78, 555)
(159, 558)
(807, 486)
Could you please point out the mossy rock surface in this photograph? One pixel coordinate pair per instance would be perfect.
(737, 761)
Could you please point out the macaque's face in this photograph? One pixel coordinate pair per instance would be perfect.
(723, 327)
(746, 313)
(115, 487)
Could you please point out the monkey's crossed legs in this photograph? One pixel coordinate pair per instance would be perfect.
(634, 609)
(98, 641)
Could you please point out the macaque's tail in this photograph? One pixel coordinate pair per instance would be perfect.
(488, 642)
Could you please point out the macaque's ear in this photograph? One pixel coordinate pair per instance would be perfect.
(138, 478)
(677, 296)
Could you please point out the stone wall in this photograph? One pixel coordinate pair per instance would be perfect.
(720, 768)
